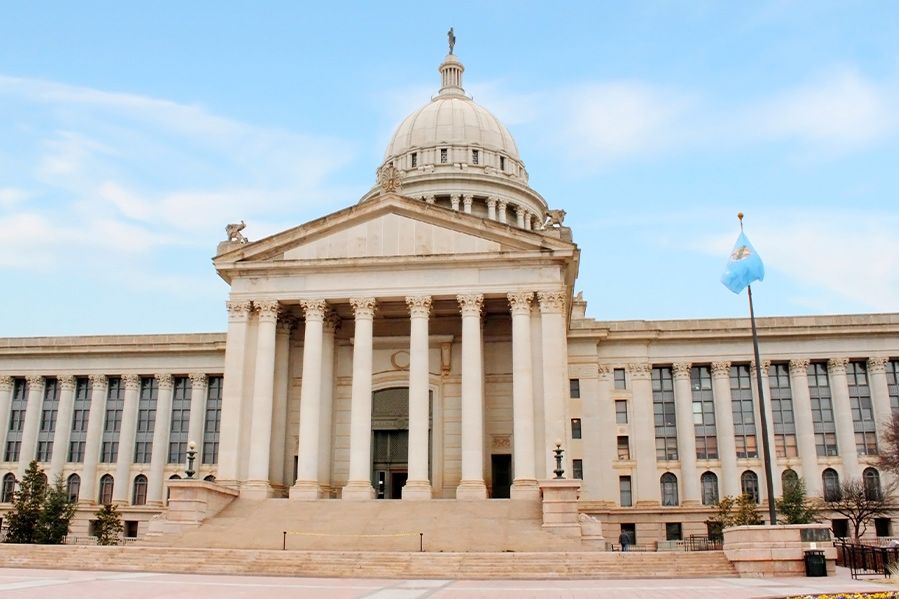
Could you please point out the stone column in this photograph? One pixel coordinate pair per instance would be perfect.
(6, 387)
(63, 426)
(542, 446)
(724, 429)
(769, 416)
(126, 439)
(199, 388)
(686, 433)
(524, 484)
(599, 438)
(491, 208)
(454, 201)
(519, 216)
(805, 428)
(87, 494)
(229, 455)
(842, 411)
(277, 450)
(555, 373)
(501, 211)
(161, 429)
(643, 444)
(331, 324)
(430, 199)
(472, 484)
(34, 406)
(359, 484)
(527, 220)
(307, 485)
(880, 397)
(466, 203)
(418, 485)
(258, 484)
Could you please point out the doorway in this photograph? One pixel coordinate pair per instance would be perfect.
(501, 475)
(390, 441)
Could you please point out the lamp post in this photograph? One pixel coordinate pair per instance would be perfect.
(558, 451)
(191, 456)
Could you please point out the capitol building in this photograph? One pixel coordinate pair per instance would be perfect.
(429, 343)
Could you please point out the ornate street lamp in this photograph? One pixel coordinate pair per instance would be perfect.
(191, 456)
(558, 451)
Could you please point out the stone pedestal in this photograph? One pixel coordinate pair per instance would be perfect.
(417, 490)
(191, 502)
(759, 551)
(473, 489)
(560, 515)
(256, 489)
(591, 532)
(525, 489)
(358, 490)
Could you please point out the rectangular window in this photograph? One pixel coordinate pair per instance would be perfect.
(782, 410)
(621, 411)
(474, 157)
(664, 414)
(892, 368)
(620, 378)
(883, 527)
(624, 491)
(17, 406)
(443, 156)
(673, 531)
(181, 390)
(146, 419)
(822, 409)
(414, 159)
(574, 388)
(502, 163)
(213, 420)
(115, 404)
(80, 412)
(704, 413)
(575, 428)
(577, 469)
(744, 415)
(624, 448)
(862, 408)
(49, 412)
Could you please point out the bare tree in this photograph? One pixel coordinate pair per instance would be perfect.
(861, 503)
(889, 454)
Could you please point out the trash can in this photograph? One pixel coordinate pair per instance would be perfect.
(815, 564)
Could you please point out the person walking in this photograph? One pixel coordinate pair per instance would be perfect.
(624, 540)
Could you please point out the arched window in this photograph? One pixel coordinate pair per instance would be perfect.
(139, 496)
(789, 479)
(831, 481)
(9, 487)
(749, 482)
(709, 488)
(106, 485)
(174, 477)
(872, 484)
(73, 487)
(209, 478)
(669, 489)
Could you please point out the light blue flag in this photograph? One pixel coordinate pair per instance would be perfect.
(743, 267)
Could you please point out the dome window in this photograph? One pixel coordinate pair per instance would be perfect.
(414, 159)
(502, 163)
(474, 157)
(443, 156)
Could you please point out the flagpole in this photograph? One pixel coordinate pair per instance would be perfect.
(766, 449)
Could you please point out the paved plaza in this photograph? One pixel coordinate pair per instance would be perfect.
(37, 584)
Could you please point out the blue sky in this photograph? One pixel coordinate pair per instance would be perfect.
(131, 134)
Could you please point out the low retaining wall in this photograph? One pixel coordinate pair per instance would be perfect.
(777, 550)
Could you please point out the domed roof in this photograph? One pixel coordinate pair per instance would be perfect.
(452, 118)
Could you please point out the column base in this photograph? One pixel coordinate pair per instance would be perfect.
(155, 503)
(417, 490)
(305, 489)
(471, 490)
(358, 490)
(525, 488)
(256, 489)
(690, 502)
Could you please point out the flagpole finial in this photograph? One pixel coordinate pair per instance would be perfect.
(740, 216)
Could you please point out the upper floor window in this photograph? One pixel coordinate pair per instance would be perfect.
(621, 411)
(668, 483)
(749, 482)
(414, 159)
(575, 428)
(475, 158)
(619, 376)
(502, 163)
(574, 388)
(444, 156)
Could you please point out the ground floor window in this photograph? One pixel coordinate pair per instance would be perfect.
(840, 527)
(673, 531)
(883, 527)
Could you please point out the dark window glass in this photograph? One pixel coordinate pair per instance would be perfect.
(181, 397)
(139, 496)
(106, 486)
(73, 487)
(862, 408)
(49, 412)
(872, 484)
(709, 481)
(146, 420)
(744, 415)
(112, 423)
(621, 411)
(669, 489)
(664, 414)
(782, 411)
(577, 469)
(80, 414)
(624, 489)
(414, 159)
(575, 428)
(620, 378)
(574, 388)
(749, 483)
(673, 531)
(443, 156)
(831, 481)
(822, 410)
(704, 413)
(624, 448)
(474, 157)
(9, 487)
(213, 420)
(788, 478)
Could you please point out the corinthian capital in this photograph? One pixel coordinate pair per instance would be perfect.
(520, 301)
(639, 370)
(682, 370)
(164, 380)
(363, 307)
(332, 322)
(286, 323)
(5, 383)
(799, 367)
(198, 379)
(470, 304)
(35, 380)
(721, 369)
(132, 381)
(877, 365)
(765, 365)
(837, 365)
(66, 381)
(314, 309)
(267, 310)
(551, 301)
(98, 381)
(419, 306)
(238, 310)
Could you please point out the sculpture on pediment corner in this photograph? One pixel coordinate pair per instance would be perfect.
(554, 218)
(390, 178)
(233, 231)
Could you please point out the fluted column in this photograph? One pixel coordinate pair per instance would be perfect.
(258, 484)
(519, 216)
(805, 427)
(501, 211)
(307, 485)
(842, 411)
(331, 324)
(359, 484)
(643, 445)
(63, 426)
(524, 484)
(472, 484)
(199, 389)
(491, 208)
(599, 438)
(418, 485)
(32, 422)
(6, 387)
(880, 397)
(161, 429)
(724, 429)
(467, 199)
(87, 494)
(454, 201)
(126, 439)
(277, 447)
(230, 454)
(555, 373)
(686, 433)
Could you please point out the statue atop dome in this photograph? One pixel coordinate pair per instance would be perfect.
(451, 38)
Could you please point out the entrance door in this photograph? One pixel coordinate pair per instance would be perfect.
(501, 469)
